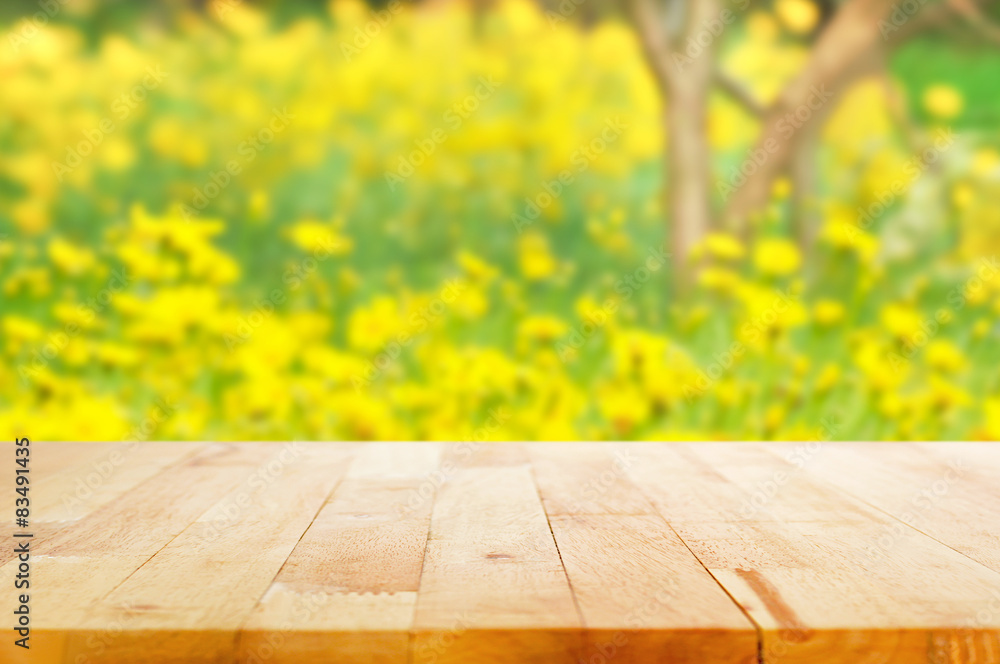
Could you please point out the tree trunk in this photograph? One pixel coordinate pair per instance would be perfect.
(687, 188)
(681, 56)
(851, 34)
(806, 216)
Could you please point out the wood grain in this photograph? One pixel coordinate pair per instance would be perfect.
(500, 553)
(350, 586)
(947, 491)
(861, 587)
(493, 588)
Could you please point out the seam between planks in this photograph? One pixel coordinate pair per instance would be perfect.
(59, 526)
(758, 630)
(241, 630)
(411, 633)
(548, 522)
(168, 542)
(853, 496)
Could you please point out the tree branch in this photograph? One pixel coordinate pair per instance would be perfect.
(739, 93)
(655, 40)
(975, 18)
(851, 34)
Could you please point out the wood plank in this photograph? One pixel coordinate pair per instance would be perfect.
(661, 601)
(83, 489)
(188, 602)
(85, 561)
(947, 491)
(799, 571)
(493, 588)
(585, 478)
(596, 553)
(53, 467)
(350, 585)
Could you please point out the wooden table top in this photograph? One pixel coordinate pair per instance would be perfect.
(414, 553)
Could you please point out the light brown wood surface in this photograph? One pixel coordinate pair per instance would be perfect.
(417, 553)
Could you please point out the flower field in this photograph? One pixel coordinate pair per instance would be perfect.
(439, 223)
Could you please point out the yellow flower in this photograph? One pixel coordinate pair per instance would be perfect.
(828, 377)
(774, 416)
(542, 328)
(31, 216)
(942, 101)
(962, 195)
(22, 329)
(259, 205)
(117, 355)
(70, 259)
(782, 188)
(624, 407)
(476, 267)
(944, 395)
(535, 260)
(718, 279)
(891, 405)
(317, 237)
(828, 312)
(369, 328)
(844, 233)
(901, 320)
(883, 369)
(991, 410)
(776, 257)
(81, 316)
(944, 356)
(724, 246)
(762, 27)
(799, 16)
(985, 161)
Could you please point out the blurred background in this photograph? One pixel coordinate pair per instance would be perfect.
(568, 219)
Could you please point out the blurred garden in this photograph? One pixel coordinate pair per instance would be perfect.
(451, 221)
